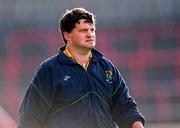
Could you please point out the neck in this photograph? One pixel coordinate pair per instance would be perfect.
(81, 56)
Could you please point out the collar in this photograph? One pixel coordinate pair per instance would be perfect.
(68, 54)
(64, 59)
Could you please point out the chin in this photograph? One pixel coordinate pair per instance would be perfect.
(92, 47)
(89, 48)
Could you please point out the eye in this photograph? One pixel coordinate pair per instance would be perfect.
(83, 30)
(93, 30)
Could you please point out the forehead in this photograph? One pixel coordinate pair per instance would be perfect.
(84, 23)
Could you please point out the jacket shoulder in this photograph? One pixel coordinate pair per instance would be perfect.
(43, 78)
(49, 62)
(107, 63)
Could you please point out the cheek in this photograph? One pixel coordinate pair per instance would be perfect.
(75, 37)
(81, 37)
(78, 38)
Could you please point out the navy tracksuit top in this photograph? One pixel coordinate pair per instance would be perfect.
(62, 94)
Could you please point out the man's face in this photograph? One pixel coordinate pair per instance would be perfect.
(83, 35)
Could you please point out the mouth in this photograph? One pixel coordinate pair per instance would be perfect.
(91, 40)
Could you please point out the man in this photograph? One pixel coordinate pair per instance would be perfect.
(79, 87)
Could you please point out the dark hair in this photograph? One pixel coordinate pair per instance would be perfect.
(71, 17)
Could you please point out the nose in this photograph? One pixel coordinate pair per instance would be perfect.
(90, 33)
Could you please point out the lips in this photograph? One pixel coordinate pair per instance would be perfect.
(91, 40)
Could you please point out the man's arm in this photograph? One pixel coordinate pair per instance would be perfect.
(35, 108)
(124, 108)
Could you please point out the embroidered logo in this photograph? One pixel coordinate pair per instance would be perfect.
(66, 78)
(109, 76)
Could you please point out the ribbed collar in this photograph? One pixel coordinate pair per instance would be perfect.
(64, 59)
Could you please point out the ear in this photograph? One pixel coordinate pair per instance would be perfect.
(67, 36)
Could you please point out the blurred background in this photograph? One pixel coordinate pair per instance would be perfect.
(141, 37)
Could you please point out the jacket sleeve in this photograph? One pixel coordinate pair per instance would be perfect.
(37, 101)
(124, 108)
